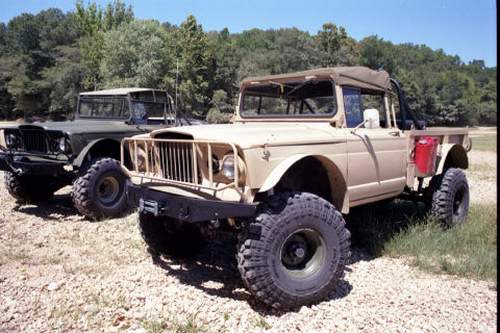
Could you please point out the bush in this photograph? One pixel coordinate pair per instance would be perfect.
(214, 116)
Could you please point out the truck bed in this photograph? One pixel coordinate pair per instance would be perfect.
(456, 135)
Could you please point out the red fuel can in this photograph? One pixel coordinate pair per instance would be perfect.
(425, 155)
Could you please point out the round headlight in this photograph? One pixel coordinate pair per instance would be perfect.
(10, 139)
(62, 144)
(227, 167)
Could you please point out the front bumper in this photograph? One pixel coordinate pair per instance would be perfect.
(185, 208)
(22, 165)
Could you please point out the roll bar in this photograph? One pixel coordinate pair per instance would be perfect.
(405, 109)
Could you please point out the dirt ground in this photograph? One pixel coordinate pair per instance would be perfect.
(61, 273)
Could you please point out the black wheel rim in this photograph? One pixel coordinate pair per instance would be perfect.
(303, 253)
(108, 190)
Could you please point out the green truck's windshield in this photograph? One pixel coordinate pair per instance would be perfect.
(309, 98)
(104, 107)
(142, 110)
(145, 106)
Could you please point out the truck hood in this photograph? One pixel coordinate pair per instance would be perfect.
(81, 126)
(254, 134)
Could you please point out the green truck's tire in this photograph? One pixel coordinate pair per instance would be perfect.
(450, 198)
(168, 236)
(99, 192)
(295, 250)
(30, 189)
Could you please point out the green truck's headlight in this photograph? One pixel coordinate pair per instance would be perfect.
(12, 140)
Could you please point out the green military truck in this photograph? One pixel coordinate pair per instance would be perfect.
(40, 158)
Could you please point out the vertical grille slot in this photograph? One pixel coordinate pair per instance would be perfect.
(34, 141)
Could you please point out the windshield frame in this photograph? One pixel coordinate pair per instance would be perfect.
(307, 116)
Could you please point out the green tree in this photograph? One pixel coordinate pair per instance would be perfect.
(221, 111)
(136, 54)
(46, 58)
(377, 53)
(336, 46)
(63, 82)
(196, 67)
(93, 22)
(115, 14)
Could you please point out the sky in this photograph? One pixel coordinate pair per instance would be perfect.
(465, 28)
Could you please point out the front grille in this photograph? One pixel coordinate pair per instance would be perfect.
(179, 161)
(34, 141)
(175, 161)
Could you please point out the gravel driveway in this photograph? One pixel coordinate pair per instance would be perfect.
(60, 273)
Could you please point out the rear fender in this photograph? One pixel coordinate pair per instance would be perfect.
(452, 155)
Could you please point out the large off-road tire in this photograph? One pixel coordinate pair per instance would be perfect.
(170, 237)
(295, 250)
(30, 189)
(99, 192)
(450, 197)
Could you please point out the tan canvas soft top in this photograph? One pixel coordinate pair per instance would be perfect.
(357, 76)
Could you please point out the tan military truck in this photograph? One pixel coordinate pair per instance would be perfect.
(302, 150)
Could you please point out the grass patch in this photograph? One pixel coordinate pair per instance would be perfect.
(373, 225)
(153, 325)
(188, 326)
(260, 322)
(172, 326)
(485, 143)
(468, 250)
(402, 229)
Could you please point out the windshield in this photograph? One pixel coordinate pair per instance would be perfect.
(144, 108)
(103, 107)
(304, 98)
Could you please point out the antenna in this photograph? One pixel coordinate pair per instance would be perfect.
(176, 79)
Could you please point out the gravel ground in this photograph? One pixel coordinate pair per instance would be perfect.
(61, 273)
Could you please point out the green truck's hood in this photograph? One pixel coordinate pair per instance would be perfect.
(87, 126)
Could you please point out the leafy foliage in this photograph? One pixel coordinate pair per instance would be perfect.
(135, 54)
(196, 66)
(47, 58)
(93, 22)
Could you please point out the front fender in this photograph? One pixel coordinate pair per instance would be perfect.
(278, 172)
(77, 162)
(338, 185)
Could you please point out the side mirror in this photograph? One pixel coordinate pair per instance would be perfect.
(371, 118)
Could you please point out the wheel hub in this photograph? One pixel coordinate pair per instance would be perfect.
(303, 253)
(300, 252)
(108, 189)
